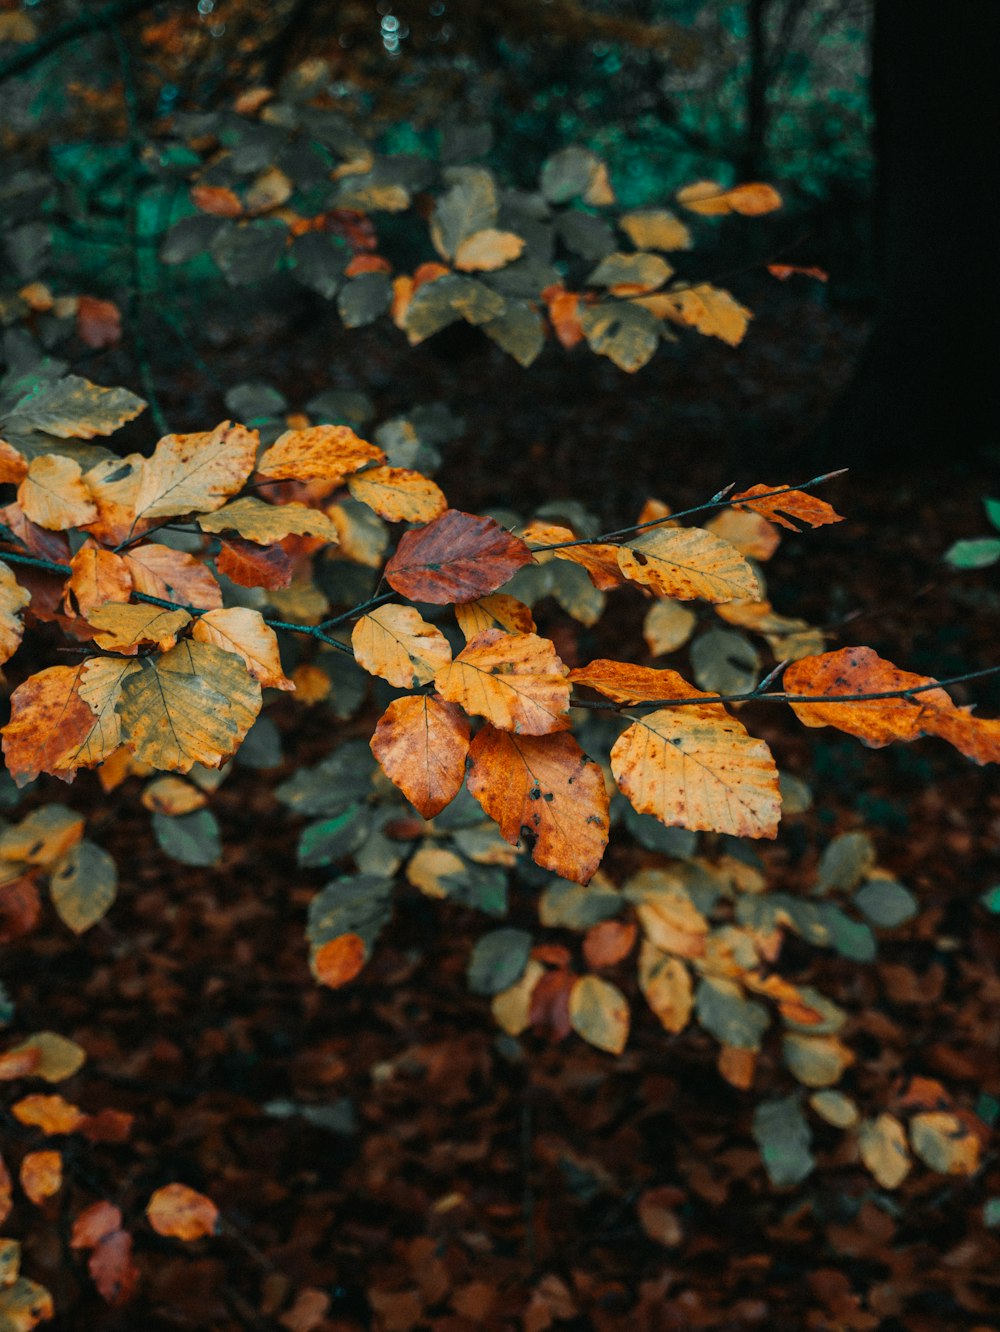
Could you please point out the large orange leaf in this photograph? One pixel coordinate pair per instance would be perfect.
(398, 494)
(194, 704)
(794, 509)
(422, 744)
(51, 1114)
(179, 1211)
(688, 562)
(173, 575)
(878, 722)
(626, 683)
(195, 473)
(241, 631)
(395, 643)
(545, 792)
(321, 453)
(64, 718)
(696, 767)
(98, 576)
(515, 681)
(13, 598)
(54, 494)
(457, 557)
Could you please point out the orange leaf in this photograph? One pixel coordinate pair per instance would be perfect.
(486, 250)
(710, 199)
(98, 576)
(607, 944)
(93, 1224)
(112, 1270)
(243, 633)
(457, 557)
(696, 767)
(498, 611)
(367, 263)
(99, 323)
(795, 509)
(421, 744)
(13, 599)
(114, 486)
(217, 200)
(254, 566)
(515, 681)
(51, 1114)
(784, 271)
(398, 494)
(127, 628)
(339, 960)
(625, 683)
(173, 575)
(322, 453)
(688, 562)
(195, 473)
(41, 1175)
(54, 495)
(395, 643)
(543, 792)
(182, 1213)
(20, 907)
(6, 1191)
(750, 533)
(564, 314)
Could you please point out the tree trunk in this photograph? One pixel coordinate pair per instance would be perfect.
(927, 388)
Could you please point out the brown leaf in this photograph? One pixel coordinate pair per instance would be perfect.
(216, 200)
(93, 1224)
(98, 576)
(243, 632)
(421, 744)
(625, 683)
(20, 907)
(180, 1212)
(545, 792)
(112, 1270)
(515, 681)
(339, 960)
(795, 509)
(64, 718)
(249, 565)
(608, 943)
(549, 1007)
(457, 557)
(195, 473)
(696, 767)
(322, 453)
(861, 670)
(99, 323)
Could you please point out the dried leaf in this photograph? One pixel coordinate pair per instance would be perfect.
(795, 509)
(545, 792)
(421, 744)
(127, 628)
(180, 1212)
(195, 473)
(112, 1270)
(13, 598)
(83, 885)
(255, 520)
(98, 576)
(709, 199)
(515, 681)
(173, 575)
(243, 633)
(321, 453)
(498, 611)
(882, 1144)
(248, 565)
(713, 312)
(54, 494)
(668, 626)
(398, 494)
(395, 643)
(51, 1114)
(457, 557)
(41, 1175)
(688, 562)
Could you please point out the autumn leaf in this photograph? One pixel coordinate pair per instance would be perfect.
(666, 983)
(625, 683)
(655, 229)
(487, 250)
(244, 633)
(194, 704)
(337, 961)
(750, 533)
(57, 1058)
(709, 199)
(687, 562)
(54, 494)
(93, 1224)
(195, 473)
(497, 611)
(712, 311)
(321, 453)
(599, 1012)
(696, 767)
(608, 943)
(216, 200)
(395, 643)
(882, 1144)
(126, 628)
(421, 744)
(13, 598)
(74, 408)
(83, 885)
(398, 494)
(181, 1213)
(795, 509)
(52, 1114)
(172, 575)
(111, 1268)
(543, 791)
(98, 576)
(515, 681)
(784, 271)
(668, 626)
(41, 1175)
(263, 523)
(249, 565)
(457, 557)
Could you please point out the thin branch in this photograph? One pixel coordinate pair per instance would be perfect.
(716, 502)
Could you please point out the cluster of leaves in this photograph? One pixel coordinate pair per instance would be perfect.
(45, 1172)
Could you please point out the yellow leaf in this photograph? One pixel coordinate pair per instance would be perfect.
(194, 704)
(655, 229)
(945, 1143)
(512, 1007)
(666, 983)
(182, 1213)
(397, 494)
(395, 643)
(668, 626)
(696, 767)
(41, 1176)
(486, 250)
(882, 1144)
(58, 1058)
(750, 533)
(321, 453)
(42, 836)
(173, 796)
(497, 611)
(124, 628)
(362, 534)
(254, 520)
(54, 495)
(13, 598)
(687, 562)
(599, 1012)
(114, 488)
(82, 885)
(98, 576)
(243, 632)
(515, 681)
(195, 473)
(713, 312)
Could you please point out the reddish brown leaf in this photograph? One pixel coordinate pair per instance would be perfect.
(545, 792)
(515, 681)
(111, 1267)
(217, 200)
(99, 323)
(253, 566)
(457, 557)
(6, 1191)
(421, 744)
(93, 1224)
(784, 271)
(20, 907)
(549, 1009)
(610, 942)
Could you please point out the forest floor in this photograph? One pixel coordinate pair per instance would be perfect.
(451, 1183)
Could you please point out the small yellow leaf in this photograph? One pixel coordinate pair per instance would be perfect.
(395, 643)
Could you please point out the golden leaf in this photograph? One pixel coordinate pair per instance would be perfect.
(322, 453)
(54, 494)
(182, 1213)
(497, 611)
(397, 644)
(254, 520)
(195, 473)
(173, 575)
(668, 626)
(13, 598)
(882, 1144)
(243, 632)
(398, 494)
(687, 562)
(515, 681)
(713, 312)
(666, 983)
(486, 250)
(98, 576)
(125, 628)
(599, 1012)
(655, 229)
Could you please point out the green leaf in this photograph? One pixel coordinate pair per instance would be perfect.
(73, 408)
(976, 553)
(725, 662)
(567, 174)
(189, 237)
(333, 839)
(364, 298)
(586, 235)
(626, 334)
(318, 262)
(470, 205)
(845, 862)
(331, 786)
(498, 960)
(992, 507)
(782, 1134)
(991, 899)
(83, 885)
(575, 906)
(191, 839)
(356, 904)
(519, 331)
(731, 1018)
(886, 903)
(249, 251)
(850, 938)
